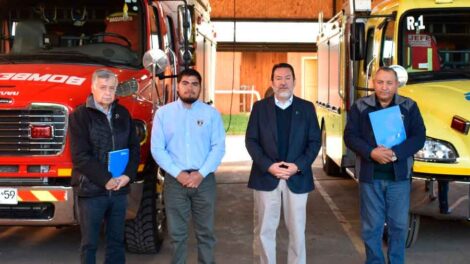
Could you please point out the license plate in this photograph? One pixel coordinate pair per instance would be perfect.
(8, 196)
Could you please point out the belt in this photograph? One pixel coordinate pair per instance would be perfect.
(189, 171)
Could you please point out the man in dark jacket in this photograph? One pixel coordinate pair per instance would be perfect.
(283, 139)
(384, 173)
(96, 128)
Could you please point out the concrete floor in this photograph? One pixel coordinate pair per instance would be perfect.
(332, 228)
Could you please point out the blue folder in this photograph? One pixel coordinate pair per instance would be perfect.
(388, 126)
(117, 161)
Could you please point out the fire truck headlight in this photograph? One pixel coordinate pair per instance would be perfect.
(141, 131)
(437, 151)
(127, 88)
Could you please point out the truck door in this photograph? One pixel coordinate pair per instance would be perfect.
(387, 50)
(162, 38)
(365, 69)
(376, 54)
(170, 49)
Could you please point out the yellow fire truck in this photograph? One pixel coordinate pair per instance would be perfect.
(431, 40)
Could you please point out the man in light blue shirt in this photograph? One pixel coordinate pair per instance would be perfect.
(188, 142)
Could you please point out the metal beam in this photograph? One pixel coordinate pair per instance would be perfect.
(267, 47)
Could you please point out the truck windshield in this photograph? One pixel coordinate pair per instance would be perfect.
(108, 32)
(435, 44)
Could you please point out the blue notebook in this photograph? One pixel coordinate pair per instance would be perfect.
(117, 161)
(388, 126)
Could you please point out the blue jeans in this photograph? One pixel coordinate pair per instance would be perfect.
(181, 203)
(93, 212)
(385, 201)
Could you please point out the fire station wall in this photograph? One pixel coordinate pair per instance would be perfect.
(253, 69)
(269, 9)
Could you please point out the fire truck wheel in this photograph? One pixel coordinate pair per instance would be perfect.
(329, 166)
(413, 228)
(144, 234)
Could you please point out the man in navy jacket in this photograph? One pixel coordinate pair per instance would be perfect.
(384, 173)
(283, 139)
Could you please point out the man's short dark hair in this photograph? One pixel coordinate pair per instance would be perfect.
(388, 69)
(189, 72)
(282, 65)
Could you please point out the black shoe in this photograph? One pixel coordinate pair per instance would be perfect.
(444, 209)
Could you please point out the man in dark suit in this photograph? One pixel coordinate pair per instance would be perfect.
(283, 139)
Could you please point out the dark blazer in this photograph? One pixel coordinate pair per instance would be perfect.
(261, 143)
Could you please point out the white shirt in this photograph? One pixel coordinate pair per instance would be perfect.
(284, 105)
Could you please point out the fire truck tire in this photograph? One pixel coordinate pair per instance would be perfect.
(144, 234)
(413, 228)
(329, 166)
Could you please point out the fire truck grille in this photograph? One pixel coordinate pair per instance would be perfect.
(22, 131)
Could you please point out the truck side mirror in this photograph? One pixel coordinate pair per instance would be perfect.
(155, 61)
(356, 41)
(402, 75)
(185, 24)
(187, 56)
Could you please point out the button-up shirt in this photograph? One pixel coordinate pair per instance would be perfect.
(284, 105)
(101, 109)
(188, 138)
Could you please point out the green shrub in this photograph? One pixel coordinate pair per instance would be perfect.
(238, 123)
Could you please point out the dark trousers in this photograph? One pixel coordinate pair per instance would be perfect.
(93, 212)
(180, 203)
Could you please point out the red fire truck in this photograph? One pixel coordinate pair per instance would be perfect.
(48, 52)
